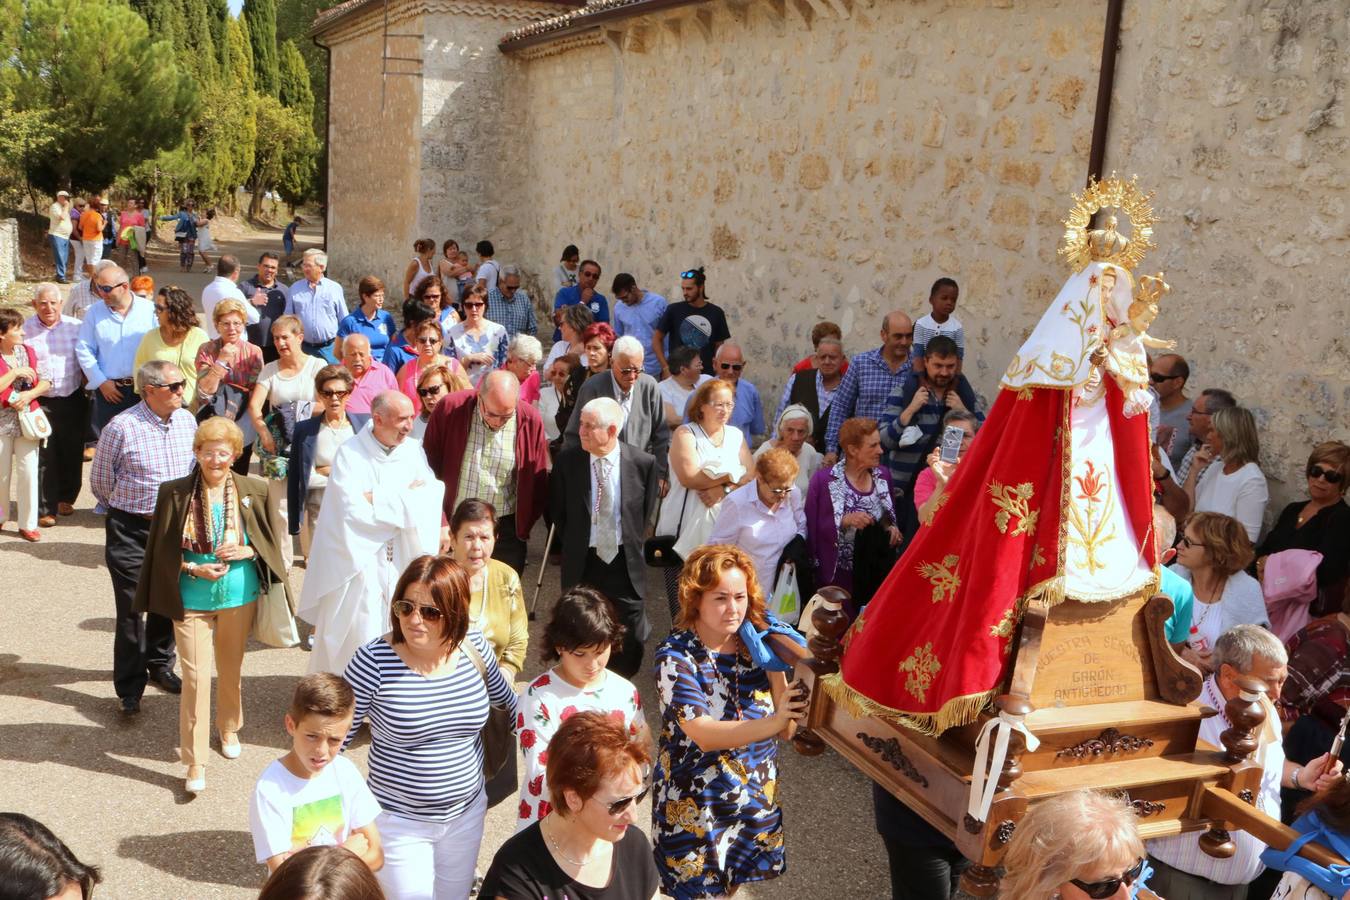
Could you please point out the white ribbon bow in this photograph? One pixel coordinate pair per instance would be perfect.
(984, 779)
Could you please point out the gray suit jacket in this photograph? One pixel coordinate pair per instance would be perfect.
(646, 428)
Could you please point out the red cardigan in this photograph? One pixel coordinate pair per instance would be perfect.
(4, 370)
(448, 435)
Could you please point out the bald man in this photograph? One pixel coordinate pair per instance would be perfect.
(372, 377)
(485, 444)
(872, 376)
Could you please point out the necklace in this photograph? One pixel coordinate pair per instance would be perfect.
(734, 687)
(1310, 509)
(557, 848)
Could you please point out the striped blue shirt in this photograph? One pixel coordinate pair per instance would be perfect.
(426, 757)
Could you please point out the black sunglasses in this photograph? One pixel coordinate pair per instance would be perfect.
(1330, 476)
(630, 370)
(404, 608)
(1100, 890)
(430, 391)
(1159, 378)
(733, 366)
(108, 288)
(333, 395)
(173, 386)
(474, 305)
(618, 806)
(429, 341)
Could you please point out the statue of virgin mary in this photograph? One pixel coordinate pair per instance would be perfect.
(1053, 500)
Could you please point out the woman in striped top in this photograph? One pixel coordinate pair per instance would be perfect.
(426, 704)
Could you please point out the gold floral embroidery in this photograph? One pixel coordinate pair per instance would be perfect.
(854, 630)
(683, 814)
(942, 576)
(1089, 522)
(1037, 556)
(1014, 503)
(1025, 393)
(1004, 628)
(922, 666)
(687, 869)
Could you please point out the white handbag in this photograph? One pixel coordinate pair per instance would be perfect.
(34, 424)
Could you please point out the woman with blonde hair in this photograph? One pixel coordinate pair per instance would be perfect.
(1074, 847)
(227, 368)
(708, 460)
(210, 546)
(715, 811)
(764, 516)
(434, 384)
(1211, 555)
(428, 343)
(1235, 486)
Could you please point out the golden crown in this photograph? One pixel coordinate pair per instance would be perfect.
(1084, 244)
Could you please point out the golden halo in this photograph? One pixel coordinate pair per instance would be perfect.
(1127, 200)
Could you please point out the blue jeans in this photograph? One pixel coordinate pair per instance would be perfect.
(324, 350)
(60, 251)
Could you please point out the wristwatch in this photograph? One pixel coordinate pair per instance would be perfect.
(726, 489)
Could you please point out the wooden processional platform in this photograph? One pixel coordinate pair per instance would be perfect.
(1114, 708)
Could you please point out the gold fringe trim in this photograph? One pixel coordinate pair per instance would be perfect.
(955, 712)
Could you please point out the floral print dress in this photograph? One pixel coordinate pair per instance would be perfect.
(548, 702)
(715, 815)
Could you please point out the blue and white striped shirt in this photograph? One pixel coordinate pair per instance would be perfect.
(426, 757)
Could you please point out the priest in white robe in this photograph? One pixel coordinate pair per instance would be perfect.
(381, 510)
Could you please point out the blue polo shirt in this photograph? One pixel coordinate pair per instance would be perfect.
(571, 295)
(639, 320)
(380, 330)
(320, 308)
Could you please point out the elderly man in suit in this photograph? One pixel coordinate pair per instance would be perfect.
(603, 494)
(642, 423)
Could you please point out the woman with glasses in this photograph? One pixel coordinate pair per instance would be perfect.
(479, 345)
(793, 434)
(708, 459)
(177, 339)
(1226, 476)
(1211, 555)
(434, 384)
(587, 845)
(1074, 847)
(429, 345)
(715, 807)
(1320, 523)
(227, 368)
(764, 516)
(370, 318)
(931, 484)
(598, 340)
(435, 298)
(314, 445)
(425, 688)
(211, 544)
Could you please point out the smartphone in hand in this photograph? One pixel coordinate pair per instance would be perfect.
(951, 443)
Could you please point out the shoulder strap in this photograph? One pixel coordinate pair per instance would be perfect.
(475, 657)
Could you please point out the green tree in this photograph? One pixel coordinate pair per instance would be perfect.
(285, 152)
(295, 91)
(294, 18)
(113, 95)
(261, 16)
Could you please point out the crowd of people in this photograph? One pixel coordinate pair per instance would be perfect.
(414, 458)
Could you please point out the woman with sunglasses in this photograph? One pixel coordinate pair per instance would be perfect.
(434, 384)
(764, 516)
(1226, 476)
(227, 368)
(479, 345)
(1321, 523)
(177, 339)
(428, 343)
(1076, 846)
(587, 844)
(715, 808)
(598, 340)
(425, 688)
(1211, 555)
(370, 318)
(314, 446)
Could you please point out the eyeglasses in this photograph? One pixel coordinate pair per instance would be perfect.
(474, 305)
(781, 492)
(334, 395)
(735, 367)
(404, 608)
(618, 807)
(159, 308)
(1330, 476)
(1185, 541)
(725, 404)
(1198, 412)
(109, 288)
(630, 370)
(429, 341)
(430, 391)
(1159, 378)
(173, 387)
(1100, 890)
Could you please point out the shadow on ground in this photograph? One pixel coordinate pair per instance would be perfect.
(86, 556)
(216, 857)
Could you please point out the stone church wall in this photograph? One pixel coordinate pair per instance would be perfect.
(828, 167)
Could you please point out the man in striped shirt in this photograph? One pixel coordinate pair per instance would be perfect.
(1181, 868)
(139, 450)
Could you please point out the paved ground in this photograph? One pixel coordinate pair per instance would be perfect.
(113, 789)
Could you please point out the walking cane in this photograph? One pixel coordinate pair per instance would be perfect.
(543, 564)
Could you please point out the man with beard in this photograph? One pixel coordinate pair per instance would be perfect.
(912, 423)
(695, 322)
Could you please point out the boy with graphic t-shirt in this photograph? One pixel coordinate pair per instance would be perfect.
(312, 796)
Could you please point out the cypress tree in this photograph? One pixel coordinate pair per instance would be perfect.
(261, 16)
(295, 91)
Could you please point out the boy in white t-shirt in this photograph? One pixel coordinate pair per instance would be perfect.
(313, 796)
(942, 298)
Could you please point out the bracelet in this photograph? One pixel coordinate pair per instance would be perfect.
(1294, 777)
(191, 570)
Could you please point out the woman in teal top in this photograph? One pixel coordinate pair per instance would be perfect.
(209, 548)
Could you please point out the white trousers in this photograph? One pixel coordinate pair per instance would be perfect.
(22, 454)
(93, 252)
(430, 860)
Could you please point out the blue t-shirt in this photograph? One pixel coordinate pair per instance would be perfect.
(288, 235)
(1183, 602)
(571, 295)
(380, 330)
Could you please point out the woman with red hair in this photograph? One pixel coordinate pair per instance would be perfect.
(598, 339)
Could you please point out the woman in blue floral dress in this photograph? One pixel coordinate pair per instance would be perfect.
(715, 812)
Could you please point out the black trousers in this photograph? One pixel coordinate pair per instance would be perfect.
(141, 645)
(510, 549)
(60, 461)
(612, 580)
(104, 411)
(924, 864)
